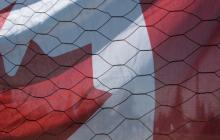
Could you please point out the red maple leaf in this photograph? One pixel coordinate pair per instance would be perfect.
(48, 98)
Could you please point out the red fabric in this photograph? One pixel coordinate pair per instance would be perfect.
(184, 35)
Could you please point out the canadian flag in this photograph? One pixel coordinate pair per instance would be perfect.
(109, 70)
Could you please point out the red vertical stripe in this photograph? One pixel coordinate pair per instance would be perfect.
(185, 36)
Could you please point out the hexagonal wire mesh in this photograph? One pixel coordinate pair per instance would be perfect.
(109, 70)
